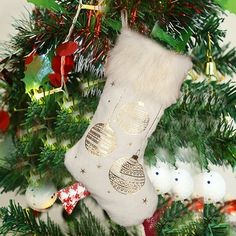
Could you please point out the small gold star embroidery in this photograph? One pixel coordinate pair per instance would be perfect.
(112, 83)
(145, 200)
(82, 171)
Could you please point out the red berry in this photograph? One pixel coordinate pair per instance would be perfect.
(62, 65)
(4, 121)
(67, 49)
(55, 80)
(30, 57)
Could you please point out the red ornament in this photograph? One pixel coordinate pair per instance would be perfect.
(62, 65)
(197, 205)
(30, 57)
(229, 207)
(150, 223)
(56, 80)
(4, 121)
(67, 49)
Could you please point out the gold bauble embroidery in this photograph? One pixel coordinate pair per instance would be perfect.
(126, 175)
(100, 140)
(133, 118)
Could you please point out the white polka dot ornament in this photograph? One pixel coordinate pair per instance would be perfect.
(182, 184)
(160, 176)
(42, 196)
(211, 186)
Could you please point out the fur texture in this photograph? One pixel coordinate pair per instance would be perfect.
(144, 65)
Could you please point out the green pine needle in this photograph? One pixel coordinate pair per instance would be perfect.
(19, 221)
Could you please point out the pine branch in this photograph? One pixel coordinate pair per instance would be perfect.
(178, 220)
(21, 221)
(51, 156)
(16, 168)
(87, 224)
(198, 120)
(225, 59)
(31, 155)
(117, 230)
(11, 179)
(214, 221)
(176, 19)
(70, 126)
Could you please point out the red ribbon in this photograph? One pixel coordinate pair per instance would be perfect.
(229, 207)
(71, 195)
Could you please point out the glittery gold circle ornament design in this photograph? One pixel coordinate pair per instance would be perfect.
(126, 175)
(100, 140)
(133, 118)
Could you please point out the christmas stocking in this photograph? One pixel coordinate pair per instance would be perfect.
(142, 80)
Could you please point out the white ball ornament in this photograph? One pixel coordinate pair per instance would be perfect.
(214, 187)
(182, 184)
(160, 176)
(198, 186)
(42, 196)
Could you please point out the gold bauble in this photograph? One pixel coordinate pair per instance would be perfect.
(133, 118)
(210, 69)
(100, 140)
(126, 175)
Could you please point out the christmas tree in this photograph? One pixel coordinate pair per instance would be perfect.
(72, 67)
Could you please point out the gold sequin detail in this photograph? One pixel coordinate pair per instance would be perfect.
(126, 175)
(100, 140)
(133, 118)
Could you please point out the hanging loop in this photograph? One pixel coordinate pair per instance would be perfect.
(124, 18)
